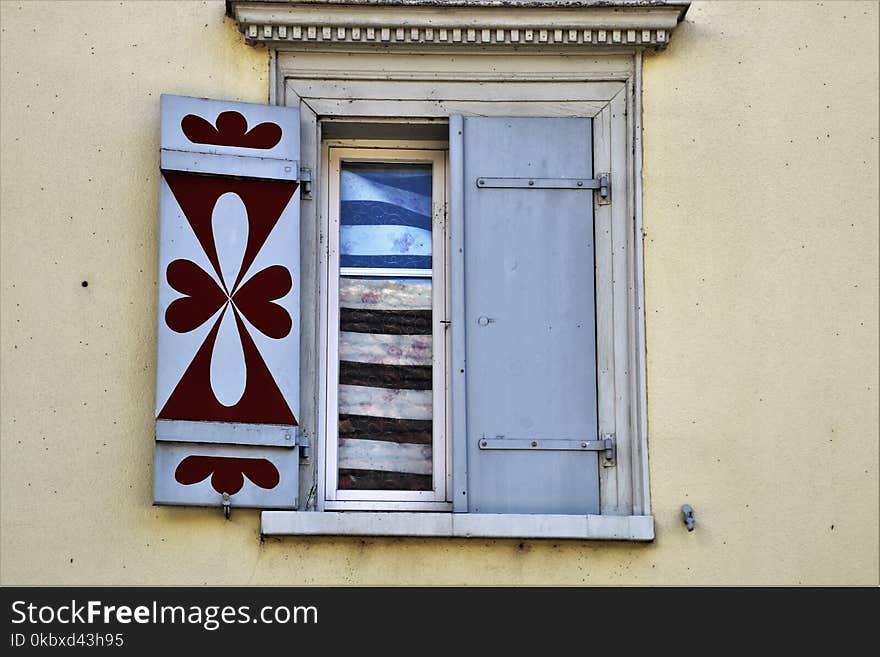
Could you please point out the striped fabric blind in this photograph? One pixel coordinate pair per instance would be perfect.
(385, 342)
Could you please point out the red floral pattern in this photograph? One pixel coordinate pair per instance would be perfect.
(204, 298)
(231, 130)
(242, 304)
(227, 473)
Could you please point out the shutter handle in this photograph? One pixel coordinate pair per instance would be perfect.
(485, 321)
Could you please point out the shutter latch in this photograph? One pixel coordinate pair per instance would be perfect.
(601, 183)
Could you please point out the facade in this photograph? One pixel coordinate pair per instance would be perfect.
(730, 312)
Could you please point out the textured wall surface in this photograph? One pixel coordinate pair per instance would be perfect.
(761, 259)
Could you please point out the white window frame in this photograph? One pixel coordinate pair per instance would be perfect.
(338, 152)
(429, 88)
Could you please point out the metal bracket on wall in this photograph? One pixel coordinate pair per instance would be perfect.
(607, 445)
(687, 513)
(602, 183)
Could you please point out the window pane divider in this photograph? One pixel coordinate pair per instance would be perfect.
(386, 271)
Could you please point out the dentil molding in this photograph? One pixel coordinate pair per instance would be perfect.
(483, 25)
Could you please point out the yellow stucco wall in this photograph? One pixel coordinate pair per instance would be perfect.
(761, 250)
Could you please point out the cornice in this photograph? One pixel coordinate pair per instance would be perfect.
(495, 25)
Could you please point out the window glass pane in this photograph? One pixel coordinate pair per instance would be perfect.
(385, 213)
(385, 329)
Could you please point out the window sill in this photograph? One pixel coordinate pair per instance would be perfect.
(461, 525)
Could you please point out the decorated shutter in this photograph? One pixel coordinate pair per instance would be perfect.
(524, 344)
(227, 385)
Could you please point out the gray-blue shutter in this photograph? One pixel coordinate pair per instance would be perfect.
(524, 332)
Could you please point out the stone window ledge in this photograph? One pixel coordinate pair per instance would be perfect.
(457, 525)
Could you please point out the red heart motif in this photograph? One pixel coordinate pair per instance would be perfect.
(254, 300)
(204, 296)
(227, 473)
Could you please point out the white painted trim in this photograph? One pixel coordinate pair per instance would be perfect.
(302, 64)
(385, 505)
(322, 253)
(641, 475)
(611, 85)
(509, 88)
(441, 108)
(458, 525)
(603, 161)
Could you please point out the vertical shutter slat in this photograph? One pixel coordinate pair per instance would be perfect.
(227, 387)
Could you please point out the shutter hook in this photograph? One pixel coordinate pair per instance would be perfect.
(688, 516)
(226, 505)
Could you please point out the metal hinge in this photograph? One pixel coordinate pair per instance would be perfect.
(305, 182)
(607, 444)
(604, 188)
(305, 447)
(601, 183)
(609, 458)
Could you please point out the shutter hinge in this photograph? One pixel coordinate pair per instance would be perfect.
(609, 457)
(602, 184)
(604, 195)
(305, 182)
(607, 444)
(305, 447)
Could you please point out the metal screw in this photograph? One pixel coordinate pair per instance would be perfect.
(484, 443)
(481, 182)
(531, 182)
(534, 443)
(581, 184)
(583, 444)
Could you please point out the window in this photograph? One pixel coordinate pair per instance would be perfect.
(386, 359)
(464, 200)
(506, 239)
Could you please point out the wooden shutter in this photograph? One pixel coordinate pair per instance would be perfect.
(524, 343)
(227, 384)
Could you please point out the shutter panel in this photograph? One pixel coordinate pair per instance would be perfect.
(227, 383)
(524, 331)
